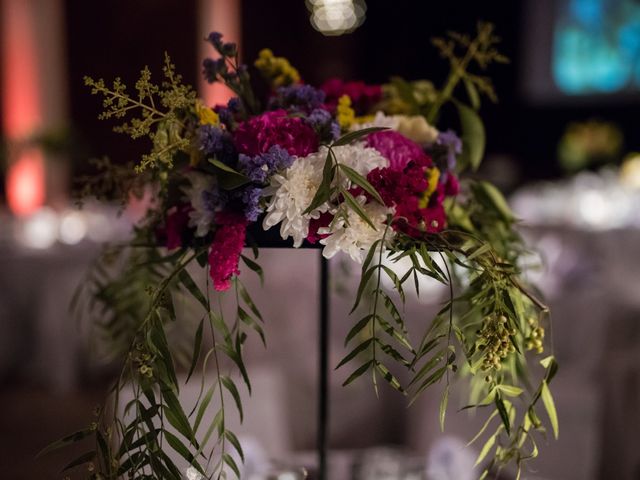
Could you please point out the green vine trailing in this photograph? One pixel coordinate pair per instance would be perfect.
(213, 172)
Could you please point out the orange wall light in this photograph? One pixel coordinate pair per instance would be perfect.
(21, 114)
(222, 16)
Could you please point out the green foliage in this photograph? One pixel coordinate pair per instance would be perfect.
(130, 290)
(481, 51)
(160, 109)
(487, 330)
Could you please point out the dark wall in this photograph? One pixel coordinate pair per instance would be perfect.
(117, 39)
(394, 40)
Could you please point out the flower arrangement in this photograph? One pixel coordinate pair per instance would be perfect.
(360, 170)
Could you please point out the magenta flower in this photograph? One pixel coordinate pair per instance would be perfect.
(226, 248)
(398, 149)
(175, 227)
(452, 185)
(363, 96)
(258, 134)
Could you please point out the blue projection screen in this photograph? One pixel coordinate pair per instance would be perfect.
(581, 49)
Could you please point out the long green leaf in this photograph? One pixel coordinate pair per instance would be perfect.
(444, 401)
(233, 440)
(192, 288)
(550, 406)
(181, 449)
(233, 390)
(81, 460)
(362, 182)
(484, 427)
(176, 416)
(254, 267)
(486, 449)
(473, 136)
(358, 327)
(358, 372)
(356, 207)
(228, 178)
(324, 190)
(359, 349)
(204, 403)
(503, 414)
(353, 136)
(65, 441)
(249, 321)
(389, 377)
(228, 459)
(197, 345)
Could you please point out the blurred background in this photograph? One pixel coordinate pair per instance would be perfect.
(562, 143)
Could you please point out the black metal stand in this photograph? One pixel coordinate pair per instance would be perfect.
(271, 239)
(323, 370)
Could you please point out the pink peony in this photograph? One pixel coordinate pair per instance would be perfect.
(258, 134)
(398, 149)
(226, 248)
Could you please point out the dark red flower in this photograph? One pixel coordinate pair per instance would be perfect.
(258, 134)
(317, 223)
(406, 191)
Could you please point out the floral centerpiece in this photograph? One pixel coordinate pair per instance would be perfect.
(361, 170)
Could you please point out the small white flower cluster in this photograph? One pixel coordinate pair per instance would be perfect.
(293, 191)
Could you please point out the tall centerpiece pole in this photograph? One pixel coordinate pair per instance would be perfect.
(323, 372)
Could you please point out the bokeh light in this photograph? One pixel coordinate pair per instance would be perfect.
(336, 17)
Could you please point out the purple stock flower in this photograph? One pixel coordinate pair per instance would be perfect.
(228, 112)
(216, 142)
(215, 199)
(212, 68)
(453, 144)
(215, 39)
(323, 123)
(297, 97)
(259, 167)
(250, 196)
(234, 105)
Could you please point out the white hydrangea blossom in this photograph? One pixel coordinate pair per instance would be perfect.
(356, 236)
(200, 217)
(293, 191)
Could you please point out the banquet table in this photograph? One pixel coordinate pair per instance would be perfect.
(590, 282)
